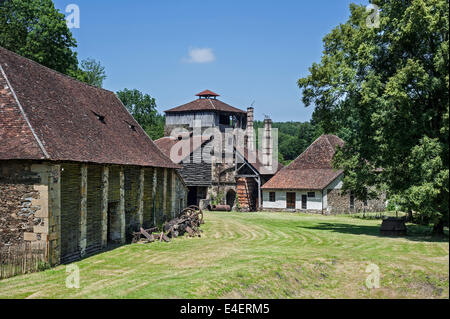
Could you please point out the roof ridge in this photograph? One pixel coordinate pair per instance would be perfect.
(41, 145)
(304, 151)
(55, 71)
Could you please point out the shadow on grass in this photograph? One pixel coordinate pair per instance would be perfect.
(414, 232)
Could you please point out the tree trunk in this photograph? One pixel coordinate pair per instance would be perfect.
(410, 216)
(438, 228)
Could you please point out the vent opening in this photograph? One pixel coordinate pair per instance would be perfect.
(101, 118)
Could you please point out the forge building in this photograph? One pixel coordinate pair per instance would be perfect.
(236, 182)
(77, 172)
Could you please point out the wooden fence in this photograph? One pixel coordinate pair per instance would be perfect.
(22, 259)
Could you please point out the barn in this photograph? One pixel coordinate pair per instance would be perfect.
(77, 172)
(311, 184)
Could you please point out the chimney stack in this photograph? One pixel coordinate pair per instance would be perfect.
(250, 132)
(267, 144)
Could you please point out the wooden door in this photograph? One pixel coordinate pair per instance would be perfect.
(290, 200)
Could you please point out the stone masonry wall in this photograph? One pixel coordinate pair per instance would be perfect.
(339, 203)
(17, 193)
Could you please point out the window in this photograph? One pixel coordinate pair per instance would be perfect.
(352, 200)
(366, 203)
(311, 194)
(271, 196)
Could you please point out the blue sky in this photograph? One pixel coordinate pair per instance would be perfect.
(244, 50)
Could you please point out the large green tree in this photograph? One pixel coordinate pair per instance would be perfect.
(143, 108)
(36, 30)
(384, 89)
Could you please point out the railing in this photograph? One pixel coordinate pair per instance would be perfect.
(22, 259)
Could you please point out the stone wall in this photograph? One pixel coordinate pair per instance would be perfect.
(339, 203)
(17, 196)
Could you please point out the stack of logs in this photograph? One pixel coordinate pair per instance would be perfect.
(188, 221)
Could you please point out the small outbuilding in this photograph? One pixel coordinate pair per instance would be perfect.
(311, 184)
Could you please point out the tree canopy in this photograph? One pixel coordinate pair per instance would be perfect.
(92, 72)
(36, 30)
(143, 108)
(384, 90)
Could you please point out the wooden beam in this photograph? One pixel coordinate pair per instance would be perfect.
(105, 188)
(122, 205)
(141, 197)
(83, 210)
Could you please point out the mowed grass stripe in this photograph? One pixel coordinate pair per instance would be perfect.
(256, 255)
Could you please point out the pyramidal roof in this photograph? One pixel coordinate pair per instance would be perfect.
(206, 103)
(47, 115)
(310, 170)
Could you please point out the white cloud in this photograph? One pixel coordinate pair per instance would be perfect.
(200, 55)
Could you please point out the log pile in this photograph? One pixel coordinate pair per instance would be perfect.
(188, 221)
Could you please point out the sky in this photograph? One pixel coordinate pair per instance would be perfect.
(249, 52)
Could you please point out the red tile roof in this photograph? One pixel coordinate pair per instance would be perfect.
(47, 115)
(206, 105)
(312, 169)
(207, 93)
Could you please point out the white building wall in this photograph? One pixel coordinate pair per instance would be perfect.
(280, 199)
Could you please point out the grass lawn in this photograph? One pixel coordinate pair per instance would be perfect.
(257, 255)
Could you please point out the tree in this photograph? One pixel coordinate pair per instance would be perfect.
(143, 108)
(385, 91)
(92, 72)
(36, 30)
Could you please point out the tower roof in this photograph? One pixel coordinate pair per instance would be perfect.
(207, 93)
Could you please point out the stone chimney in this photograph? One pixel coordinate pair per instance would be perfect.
(250, 132)
(267, 144)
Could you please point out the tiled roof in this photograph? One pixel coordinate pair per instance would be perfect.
(206, 105)
(165, 144)
(47, 115)
(312, 169)
(207, 93)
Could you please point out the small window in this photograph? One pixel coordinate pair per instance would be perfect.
(352, 200)
(366, 203)
(312, 194)
(271, 196)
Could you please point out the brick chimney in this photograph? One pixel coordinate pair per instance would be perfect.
(250, 132)
(267, 144)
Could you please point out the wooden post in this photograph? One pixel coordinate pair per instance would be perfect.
(173, 193)
(141, 197)
(83, 210)
(155, 199)
(164, 206)
(122, 205)
(105, 188)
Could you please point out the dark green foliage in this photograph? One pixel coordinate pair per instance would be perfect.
(143, 108)
(385, 92)
(36, 30)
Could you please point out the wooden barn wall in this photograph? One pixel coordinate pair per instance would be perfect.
(168, 212)
(148, 198)
(114, 184)
(197, 172)
(159, 196)
(131, 199)
(94, 209)
(70, 211)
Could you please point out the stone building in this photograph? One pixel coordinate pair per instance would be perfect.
(311, 184)
(77, 172)
(205, 169)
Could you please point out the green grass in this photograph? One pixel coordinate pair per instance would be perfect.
(257, 255)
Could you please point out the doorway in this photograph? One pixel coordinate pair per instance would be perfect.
(290, 200)
(304, 201)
